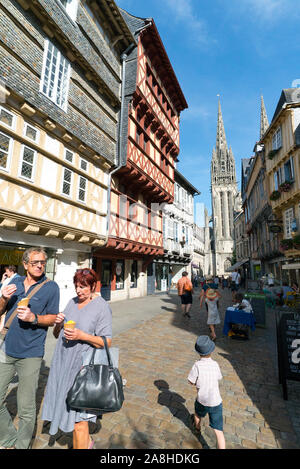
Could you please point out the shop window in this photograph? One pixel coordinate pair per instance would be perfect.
(7, 118)
(27, 165)
(120, 274)
(55, 76)
(82, 189)
(67, 182)
(5, 150)
(134, 274)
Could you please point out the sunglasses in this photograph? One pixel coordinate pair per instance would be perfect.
(33, 263)
(83, 271)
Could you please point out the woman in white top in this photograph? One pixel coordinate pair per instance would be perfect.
(211, 299)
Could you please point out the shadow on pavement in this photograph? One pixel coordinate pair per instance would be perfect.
(175, 403)
(254, 391)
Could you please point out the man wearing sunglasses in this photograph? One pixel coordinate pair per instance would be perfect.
(24, 345)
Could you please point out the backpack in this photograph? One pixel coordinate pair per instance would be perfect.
(188, 287)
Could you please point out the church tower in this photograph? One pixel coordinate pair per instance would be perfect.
(225, 199)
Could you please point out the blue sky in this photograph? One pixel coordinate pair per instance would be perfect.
(239, 49)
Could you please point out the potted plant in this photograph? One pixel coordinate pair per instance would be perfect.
(275, 195)
(286, 244)
(272, 153)
(296, 242)
(285, 186)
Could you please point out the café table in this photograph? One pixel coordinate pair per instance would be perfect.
(237, 316)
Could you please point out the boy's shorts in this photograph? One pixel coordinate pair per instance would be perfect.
(215, 414)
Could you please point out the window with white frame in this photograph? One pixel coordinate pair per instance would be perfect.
(67, 182)
(277, 139)
(70, 7)
(277, 179)
(7, 118)
(31, 132)
(27, 164)
(170, 228)
(82, 189)
(5, 150)
(288, 219)
(55, 75)
(69, 155)
(176, 231)
(83, 164)
(289, 169)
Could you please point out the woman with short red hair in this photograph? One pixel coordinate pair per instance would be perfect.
(93, 319)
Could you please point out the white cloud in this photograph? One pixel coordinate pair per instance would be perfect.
(269, 11)
(185, 12)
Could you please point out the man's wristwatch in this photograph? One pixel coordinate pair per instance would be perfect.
(35, 321)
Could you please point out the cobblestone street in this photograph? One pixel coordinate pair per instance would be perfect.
(155, 358)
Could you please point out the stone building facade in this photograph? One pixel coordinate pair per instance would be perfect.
(225, 199)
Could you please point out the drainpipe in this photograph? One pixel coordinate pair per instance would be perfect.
(122, 114)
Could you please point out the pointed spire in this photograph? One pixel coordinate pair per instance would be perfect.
(221, 137)
(264, 123)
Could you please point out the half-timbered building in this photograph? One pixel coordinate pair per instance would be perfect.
(60, 72)
(144, 179)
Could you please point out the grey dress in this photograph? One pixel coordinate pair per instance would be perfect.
(96, 319)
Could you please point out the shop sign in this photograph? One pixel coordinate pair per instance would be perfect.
(275, 229)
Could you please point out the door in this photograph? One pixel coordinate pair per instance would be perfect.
(106, 279)
(151, 279)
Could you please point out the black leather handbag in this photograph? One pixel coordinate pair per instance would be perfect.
(98, 388)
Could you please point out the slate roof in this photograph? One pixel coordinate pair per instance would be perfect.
(288, 96)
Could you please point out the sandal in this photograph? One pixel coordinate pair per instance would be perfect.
(194, 427)
(92, 443)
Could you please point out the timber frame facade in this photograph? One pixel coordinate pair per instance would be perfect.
(144, 180)
(60, 77)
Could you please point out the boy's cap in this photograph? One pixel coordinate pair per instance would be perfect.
(204, 345)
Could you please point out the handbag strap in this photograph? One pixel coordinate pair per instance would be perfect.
(33, 292)
(110, 364)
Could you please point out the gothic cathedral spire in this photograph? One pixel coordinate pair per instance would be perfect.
(264, 123)
(221, 137)
(224, 194)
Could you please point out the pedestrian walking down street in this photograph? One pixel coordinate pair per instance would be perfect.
(185, 291)
(93, 318)
(212, 302)
(235, 282)
(205, 375)
(24, 344)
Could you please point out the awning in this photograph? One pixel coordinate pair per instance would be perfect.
(291, 266)
(237, 265)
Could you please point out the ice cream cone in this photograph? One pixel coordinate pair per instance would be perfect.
(70, 325)
(24, 302)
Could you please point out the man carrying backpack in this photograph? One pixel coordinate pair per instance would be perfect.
(185, 290)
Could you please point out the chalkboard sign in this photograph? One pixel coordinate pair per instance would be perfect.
(258, 303)
(288, 347)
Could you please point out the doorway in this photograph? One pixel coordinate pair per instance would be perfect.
(106, 272)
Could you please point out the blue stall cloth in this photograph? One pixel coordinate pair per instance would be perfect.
(237, 316)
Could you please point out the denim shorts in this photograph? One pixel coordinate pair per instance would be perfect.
(215, 415)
